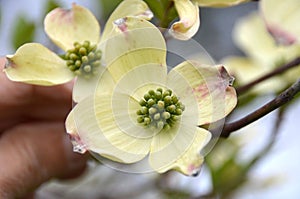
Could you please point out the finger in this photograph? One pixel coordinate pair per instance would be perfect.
(31, 154)
(22, 102)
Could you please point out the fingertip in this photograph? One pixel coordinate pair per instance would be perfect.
(76, 163)
(34, 153)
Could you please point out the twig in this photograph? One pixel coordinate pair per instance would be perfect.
(278, 71)
(280, 100)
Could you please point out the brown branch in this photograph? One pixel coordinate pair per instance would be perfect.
(278, 71)
(280, 100)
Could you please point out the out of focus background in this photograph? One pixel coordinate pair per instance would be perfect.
(259, 161)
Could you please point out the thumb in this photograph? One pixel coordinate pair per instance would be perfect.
(31, 154)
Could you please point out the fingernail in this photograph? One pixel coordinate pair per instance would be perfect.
(76, 162)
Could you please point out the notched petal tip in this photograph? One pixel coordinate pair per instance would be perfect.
(148, 15)
(281, 37)
(78, 145)
(121, 24)
(8, 62)
(229, 80)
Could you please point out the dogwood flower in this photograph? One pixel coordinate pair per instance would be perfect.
(263, 54)
(188, 11)
(282, 19)
(77, 33)
(140, 110)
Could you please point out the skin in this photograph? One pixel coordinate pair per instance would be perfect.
(34, 147)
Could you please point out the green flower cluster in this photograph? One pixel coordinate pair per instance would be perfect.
(83, 58)
(159, 109)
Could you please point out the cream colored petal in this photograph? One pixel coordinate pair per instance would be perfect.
(85, 87)
(35, 64)
(219, 3)
(97, 131)
(189, 22)
(210, 85)
(246, 70)
(108, 111)
(282, 19)
(251, 35)
(126, 8)
(140, 80)
(183, 153)
(131, 89)
(65, 27)
(127, 92)
(128, 47)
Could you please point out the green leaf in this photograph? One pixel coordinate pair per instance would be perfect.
(107, 7)
(50, 5)
(157, 7)
(23, 31)
(163, 10)
(176, 194)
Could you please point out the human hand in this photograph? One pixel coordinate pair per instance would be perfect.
(33, 144)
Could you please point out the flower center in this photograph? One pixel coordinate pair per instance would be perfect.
(159, 109)
(83, 59)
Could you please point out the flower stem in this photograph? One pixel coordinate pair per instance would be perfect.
(280, 100)
(164, 22)
(278, 71)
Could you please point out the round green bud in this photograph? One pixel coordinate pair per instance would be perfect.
(96, 63)
(156, 116)
(151, 92)
(180, 105)
(73, 56)
(82, 51)
(168, 100)
(160, 105)
(147, 96)
(166, 115)
(87, 68)
(158, 95)
(144, 110)
(139, 112)
(150, 102)
(98, 55)
(91, 56)
(147, 120)
(140, 119)
(92, 47)
(77, 72)
(77, 47)
(178, 111)
(160, 124)
(167, 126)
(174, 99)
(67, 55)
(78, 63)
(84, 59)
(160, 90)
(70, 62)
(152, 110)
(142, 102)
(171, 108)
(86, 44)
